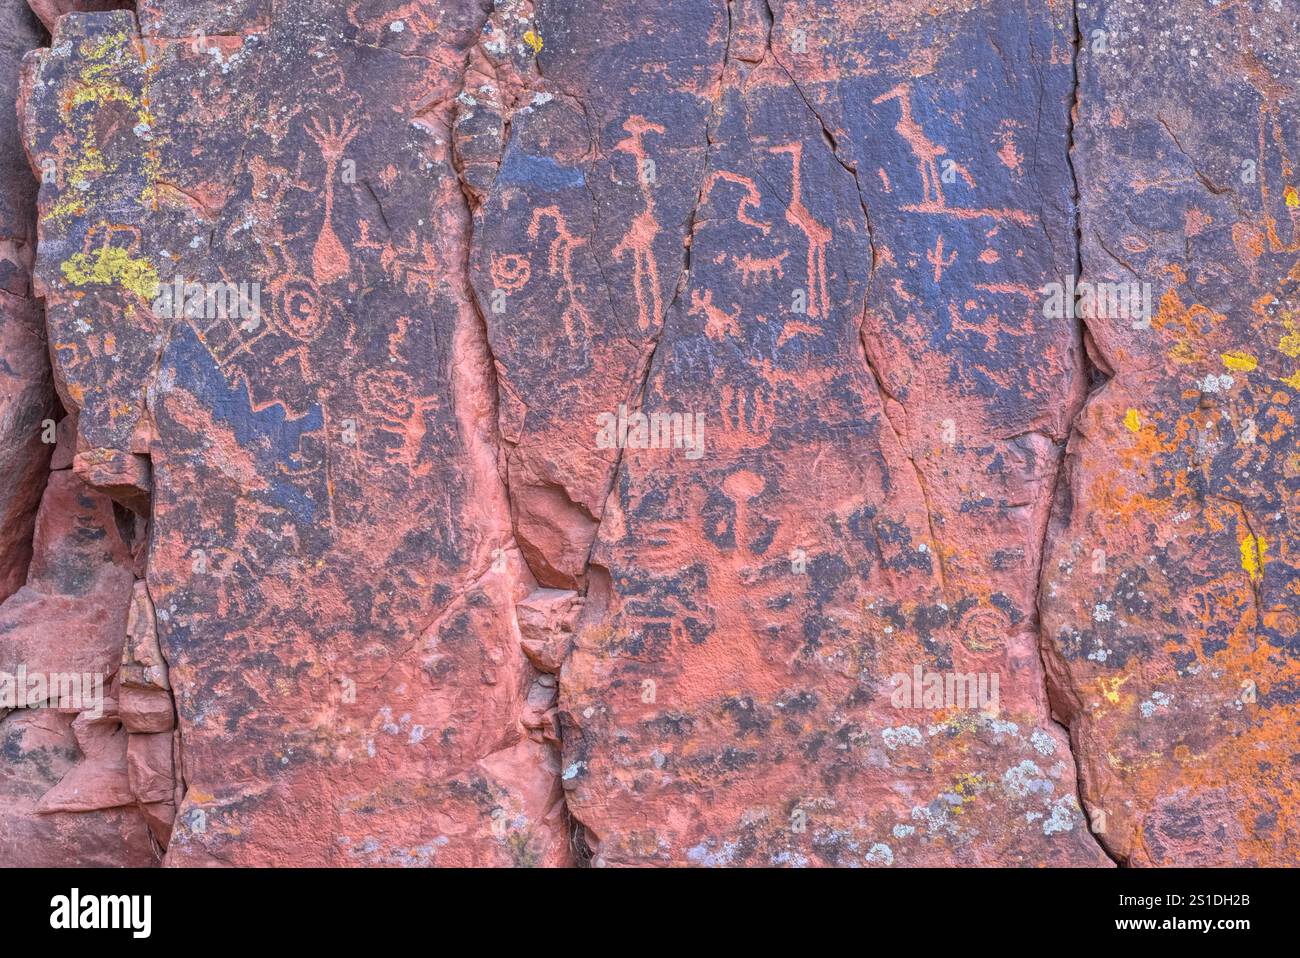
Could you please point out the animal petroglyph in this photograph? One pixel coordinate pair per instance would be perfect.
(717, 322)
(819, 237)
(754, 269)
(923, 148)
(927, 154)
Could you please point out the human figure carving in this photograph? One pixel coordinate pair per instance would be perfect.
(640, 237)
(936, 258)
(329, 259)
(559, 262)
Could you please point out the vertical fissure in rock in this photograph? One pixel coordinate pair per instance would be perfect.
(490, 384)
(1092, 378)
(29, 398)
(92, 540)
(872, 366)
(481, 342)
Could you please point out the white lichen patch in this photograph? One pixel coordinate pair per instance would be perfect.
(1062, 816)
(903, 735)
(1026, 779)
(1043, 743)
(880, 854)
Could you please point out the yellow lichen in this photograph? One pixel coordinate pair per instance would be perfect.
(967, 787)
(1253, 552)
(103, 75)
(1239, 362)
(112, 266)
(1110, 687)
(1132, 421)
(106, 46)
(1290, 341)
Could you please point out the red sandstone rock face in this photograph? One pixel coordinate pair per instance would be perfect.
(26, 401)
(729, 700)
(628, 426)
(1170, 591)
(66, 797)
(50, 10)
(330, 567)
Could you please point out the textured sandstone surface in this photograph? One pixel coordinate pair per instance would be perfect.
(376, 569)
(66, 794)
(65, 568)
(26, 397)
(1171, 586)
(769, 700)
